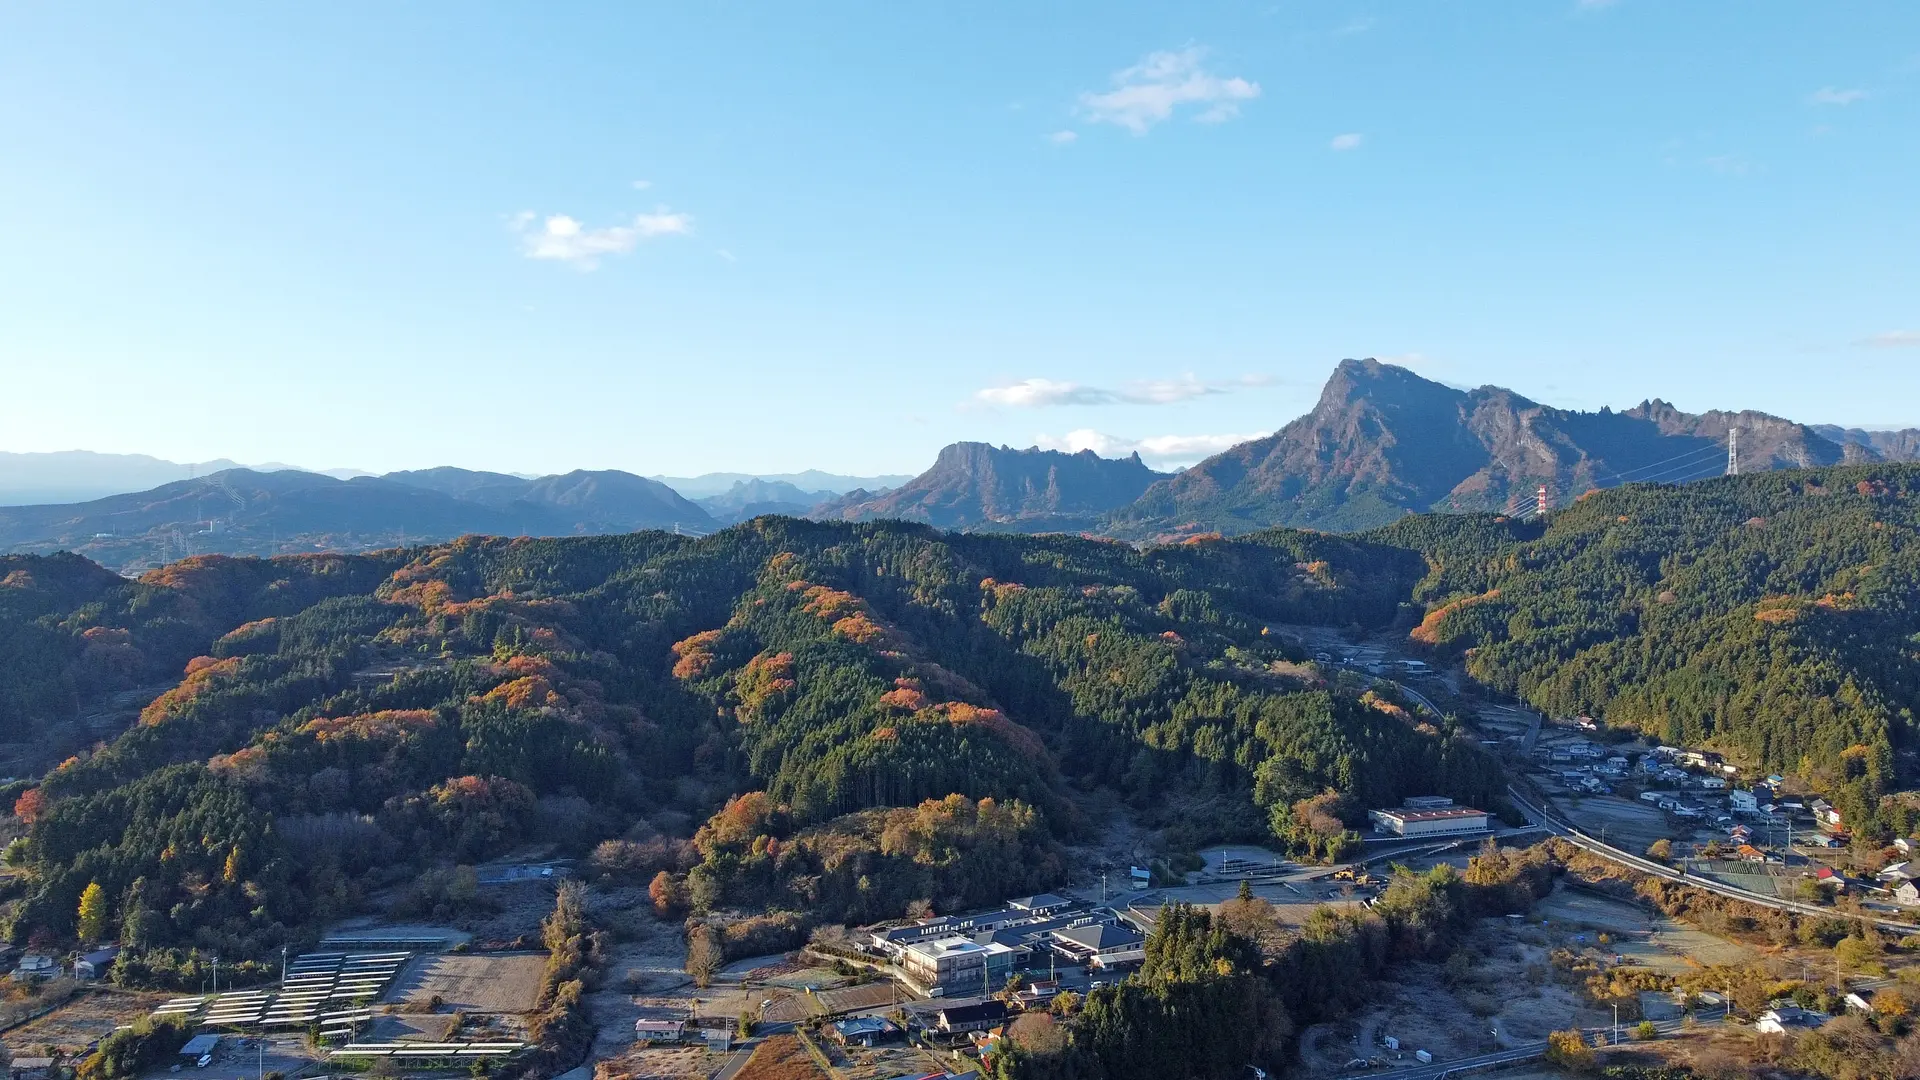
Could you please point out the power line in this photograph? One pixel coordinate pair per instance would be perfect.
(1628, 476)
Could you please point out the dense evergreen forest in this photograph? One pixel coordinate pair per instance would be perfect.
(839, 720)
(869, 715)
(1775, 617)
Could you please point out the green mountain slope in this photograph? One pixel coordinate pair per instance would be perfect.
(1776, 617)
(869, 714)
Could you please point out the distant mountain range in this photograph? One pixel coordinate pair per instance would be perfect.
(974, 485)
(707, 485)
(1380, 443)
(242, 511)
(79, 475)
(751, 498)
(69, 476)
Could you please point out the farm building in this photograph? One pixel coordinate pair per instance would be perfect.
(661, 1031)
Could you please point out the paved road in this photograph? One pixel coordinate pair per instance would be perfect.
(734, 1064)
(1565, 830)
(1537, 815)
(1524, 1052)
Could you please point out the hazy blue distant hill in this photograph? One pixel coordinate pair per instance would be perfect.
(68, 476)
(243, 511)
(753, 498)
(974, 485)
(78, 475)
(707, 485)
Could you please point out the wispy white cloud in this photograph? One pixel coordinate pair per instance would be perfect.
(1832, 95)
(564, 239)
(1046, 393)
(1356, 26)
(1042, 393)
(1151, 91)
(1593, 5)
(1062, 138)
(1350, 141)
(642, 185)
(725, 254)
(1164, 451)
(1893, 339)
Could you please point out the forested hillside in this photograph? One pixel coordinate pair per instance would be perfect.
(1773, 616)
(839, 719)
(869, 715)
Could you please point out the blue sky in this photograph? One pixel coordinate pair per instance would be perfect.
(763, 237)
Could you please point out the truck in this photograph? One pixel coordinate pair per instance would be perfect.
(1423, 1057)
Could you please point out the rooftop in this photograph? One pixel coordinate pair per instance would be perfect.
(1039, 903)
(1433, 815)
(1100, 936)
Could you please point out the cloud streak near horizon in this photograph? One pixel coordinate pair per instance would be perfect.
(1049, 393)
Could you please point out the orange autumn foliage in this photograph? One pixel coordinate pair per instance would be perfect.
(530, 692)
(906, 694)
(737, 823)
(695, 654)
(387, 724)
(203, 674)
(859, 629)
(960, 714)
(246, 765)
(1428, 632)
(29, 805)
(832, 604)
(764, 678)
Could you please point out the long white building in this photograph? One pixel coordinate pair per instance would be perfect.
(1446, 821)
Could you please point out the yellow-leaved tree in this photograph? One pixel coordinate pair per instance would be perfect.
(93, 912)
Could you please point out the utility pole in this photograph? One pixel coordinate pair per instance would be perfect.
(1616, 1023)
(216, 974)
(1540, 500)
(283, 965)
(1733, 451)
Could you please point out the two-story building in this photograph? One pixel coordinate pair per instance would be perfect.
(956, 964)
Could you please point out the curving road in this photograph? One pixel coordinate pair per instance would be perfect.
(1568, 832)
(1539, 816)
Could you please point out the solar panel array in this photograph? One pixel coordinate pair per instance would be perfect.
(426, 1050)
(332, 990)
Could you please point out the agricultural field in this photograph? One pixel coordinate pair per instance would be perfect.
(471, 982)
(90, 1014)
(781, 1057)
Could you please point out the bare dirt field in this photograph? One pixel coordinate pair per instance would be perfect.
(472, 982)
(89, 1015)
(1647, 939)
(645, 976)
(410, 1027)
(658, 1063)
(871, 995)
(888, 1062)
(1508, 995)
(1628, 823)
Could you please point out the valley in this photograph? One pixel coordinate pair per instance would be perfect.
(623, 779)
